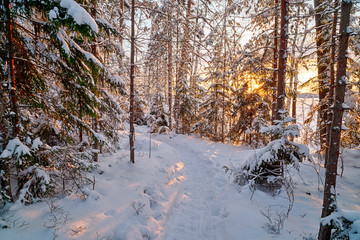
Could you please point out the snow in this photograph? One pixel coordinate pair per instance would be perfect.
(61, 35)
(181, 192)
(53, 14)
(106, 23)
(15, 148)
(89, 56)
(116, 80)
(80, 15)
(345, 106)
(36, 144)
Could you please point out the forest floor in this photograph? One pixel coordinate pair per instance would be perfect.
(179, 190)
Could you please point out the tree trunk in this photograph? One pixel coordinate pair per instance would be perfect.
(282, 58)
(122, 31)
(332, 79)
(132, 76)
(294, 98)
(94, 118)
(275, 61)
(14, 115)
(322, 65)
(294, 74)
(333, 154)
(184, 62)
(81, 117)
(176, 106)
(170, 66)
(224, 78)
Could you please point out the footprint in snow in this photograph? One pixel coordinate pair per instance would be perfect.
(111, 212)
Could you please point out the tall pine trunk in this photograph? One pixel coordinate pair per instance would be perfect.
(183, 65)
(94, 118)
(322, 51)
(282, 58)
(275, 64)
(294, 74)
(14, 115)
(336, 123)
(176, 105)
(170, 66)
(121, 23)
(132, 76)
(332, 78)
(224, 78)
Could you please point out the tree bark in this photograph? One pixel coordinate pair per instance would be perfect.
(282, 58)
(132, 76)
(14, 113)
(322, 66)
(275, 62)
(224, 76)
(332, 79)
(176, 106)
(170, 66)
(121, 23)
(294, 98)
(94, 118)
(333, 154)
(184, 62)
(294, 74)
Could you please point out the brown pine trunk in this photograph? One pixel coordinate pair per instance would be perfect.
(216, 134)
(282, 58)
(132, 76)
(80, 127)
(291, 85)
(294, 75)
(170, 66)
(294, 98)
(3, 130)
(121, 23)
(332, 78)
(176, 105)
(196, 53)
(224, 79)
(122, 20)
(275, 62)
(340, 89)
(322, 65)
(94, 119)
(184, 62)
(15, 124)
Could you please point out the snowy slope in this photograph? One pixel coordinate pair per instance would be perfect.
(180, 192)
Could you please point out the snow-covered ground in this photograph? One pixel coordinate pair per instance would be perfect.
(180, 192)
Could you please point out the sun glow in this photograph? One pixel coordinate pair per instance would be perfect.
(305, 74)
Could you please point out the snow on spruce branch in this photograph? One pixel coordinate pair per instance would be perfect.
(268, 162)
(15, 148)
(78, 13)
(280, 149)
(346, 224)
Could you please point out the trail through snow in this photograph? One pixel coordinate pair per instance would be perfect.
(197, 212)
(179, 193)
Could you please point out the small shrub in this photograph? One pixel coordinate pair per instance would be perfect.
(266, 165)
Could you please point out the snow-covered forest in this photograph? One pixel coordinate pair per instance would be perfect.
(179, 119)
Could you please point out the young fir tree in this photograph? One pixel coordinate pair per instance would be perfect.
(266, 166)
(157, 118)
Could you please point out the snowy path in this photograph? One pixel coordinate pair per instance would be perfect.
(179, 193)
(196, 214)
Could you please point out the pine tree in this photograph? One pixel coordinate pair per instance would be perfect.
(329, 202)
(323, 62)
(132, 91)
